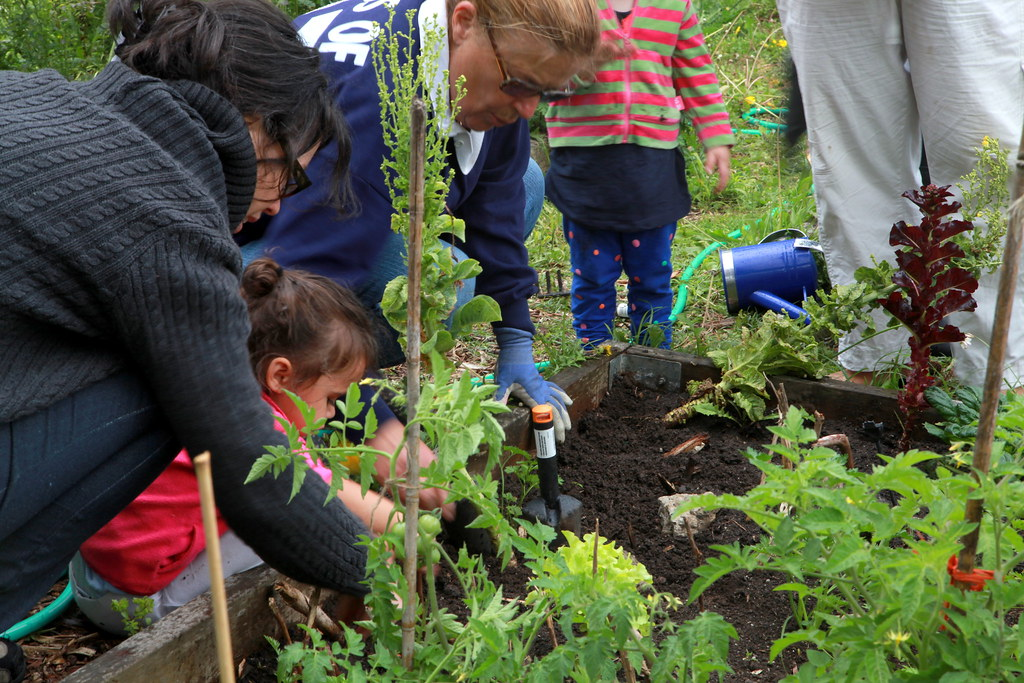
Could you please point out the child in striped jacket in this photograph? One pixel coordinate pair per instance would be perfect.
(617, 174)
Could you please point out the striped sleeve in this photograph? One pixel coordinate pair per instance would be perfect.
(697, 84)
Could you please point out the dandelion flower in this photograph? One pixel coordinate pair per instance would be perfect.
(750, 99)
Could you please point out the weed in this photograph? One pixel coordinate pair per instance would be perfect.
(136, 612)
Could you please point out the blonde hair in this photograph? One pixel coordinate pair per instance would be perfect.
(569, 26)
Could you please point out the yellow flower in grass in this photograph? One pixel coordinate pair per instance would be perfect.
(780, 43)
(750, 99)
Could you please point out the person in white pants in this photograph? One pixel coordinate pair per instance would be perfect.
(877, 77)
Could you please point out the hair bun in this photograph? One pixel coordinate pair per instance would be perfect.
(261, 277)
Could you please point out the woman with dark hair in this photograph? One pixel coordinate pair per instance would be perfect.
(124, 331)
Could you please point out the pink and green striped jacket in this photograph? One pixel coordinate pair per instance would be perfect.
(638, 99)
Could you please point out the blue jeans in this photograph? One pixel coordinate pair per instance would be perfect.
(67, 470)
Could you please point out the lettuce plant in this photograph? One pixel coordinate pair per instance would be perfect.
(930, 286)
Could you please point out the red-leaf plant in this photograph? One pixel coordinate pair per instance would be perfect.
(929, 287)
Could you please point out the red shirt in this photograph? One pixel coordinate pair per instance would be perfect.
(157, 536)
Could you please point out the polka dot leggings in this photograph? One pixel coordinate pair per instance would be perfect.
(598, 258)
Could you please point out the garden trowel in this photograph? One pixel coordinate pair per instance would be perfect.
(562, 512)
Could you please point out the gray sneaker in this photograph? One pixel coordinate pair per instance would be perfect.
(12, 662)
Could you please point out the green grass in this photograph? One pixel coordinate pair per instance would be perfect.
(70, 35)
(66, 35)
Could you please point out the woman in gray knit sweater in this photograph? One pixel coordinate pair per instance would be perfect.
(124, 335)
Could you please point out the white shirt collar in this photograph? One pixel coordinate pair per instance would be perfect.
(433, 14)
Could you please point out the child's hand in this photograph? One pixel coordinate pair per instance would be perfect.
(387, 439)
(716, 160)
(435, 498)
(432, 498)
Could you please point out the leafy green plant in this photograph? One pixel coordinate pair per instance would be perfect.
(603, 602)
(866, 556)
(406, 75)
(136, 612)
(959, 410)
(67, 35)
(985, 193)
(519, 465)
(778, 346)
(588, 569)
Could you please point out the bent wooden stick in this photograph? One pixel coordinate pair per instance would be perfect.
(221, 628)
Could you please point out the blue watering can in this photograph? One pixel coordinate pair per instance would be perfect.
(776, 274)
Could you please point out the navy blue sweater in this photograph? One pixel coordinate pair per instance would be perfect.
(308, 234)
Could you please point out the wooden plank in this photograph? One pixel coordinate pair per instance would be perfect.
(181, 646)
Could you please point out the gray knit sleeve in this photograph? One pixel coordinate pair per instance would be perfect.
(178, 309)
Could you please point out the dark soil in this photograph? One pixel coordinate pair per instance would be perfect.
(614, 461)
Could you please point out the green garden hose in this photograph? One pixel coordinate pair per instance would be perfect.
(40, 619)
(752, 114)
(751, 117)
(683, 293)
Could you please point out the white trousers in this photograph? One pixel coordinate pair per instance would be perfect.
(876, 77)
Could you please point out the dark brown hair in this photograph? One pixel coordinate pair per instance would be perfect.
(314, 322)
(248, 52)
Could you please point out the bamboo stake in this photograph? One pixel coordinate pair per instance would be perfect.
(221, 628)
(417, 153)
(996, 354)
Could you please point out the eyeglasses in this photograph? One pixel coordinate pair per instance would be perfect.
(517, 87)
(297, 178)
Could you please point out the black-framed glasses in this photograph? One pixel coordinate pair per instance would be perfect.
(297, 178)
(517, 87)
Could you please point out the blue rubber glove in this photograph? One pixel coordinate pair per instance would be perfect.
(517, 375)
